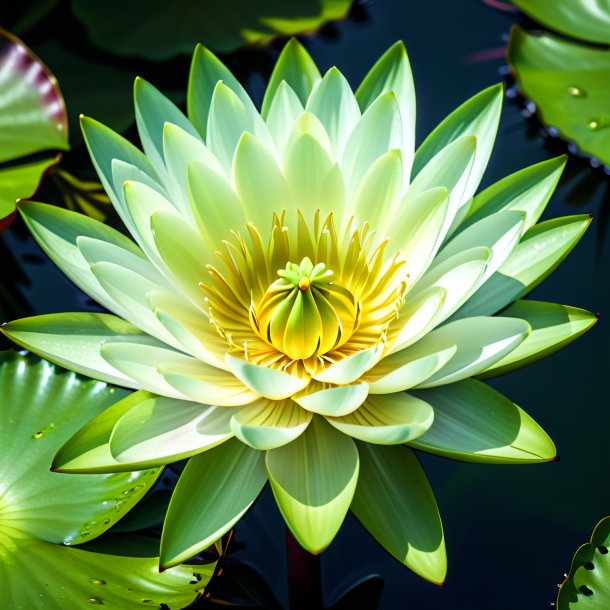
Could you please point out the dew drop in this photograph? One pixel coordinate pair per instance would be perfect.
(38, 434)
(106, 521)
(97, 581)
(576, 91)
(599, 123)
(96, 601)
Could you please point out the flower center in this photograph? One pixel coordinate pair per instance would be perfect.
(339, 299)
(303, 313)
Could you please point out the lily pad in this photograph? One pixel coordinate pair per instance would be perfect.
(570, 84)
(585, 19)
(42, 513)
(587, 586)
(161, 31)
(32, 119)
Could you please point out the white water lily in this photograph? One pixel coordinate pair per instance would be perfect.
(306, 301)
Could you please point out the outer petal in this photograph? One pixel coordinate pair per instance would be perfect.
(392, 72)
(88, 451)
(540, 251)
(527, 190)
(474, 423)
(387, 420)
(267, 424)
(58, 232)
(206, 71)
(480, 343)
(297, 68)
(167, 430)
(153, 110)
(553, 327)
(478, 117)
(395, 503)
(313, 480)
(73, 340)
(215, 489)
(351, 368)
(283, 112)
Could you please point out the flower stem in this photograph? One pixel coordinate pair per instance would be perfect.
(304, 576)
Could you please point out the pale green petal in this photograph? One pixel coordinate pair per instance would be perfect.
(335, 401)
(378, 195)
(392, 72)
(215, 489)
(206, 71)
(539, 253)
(229, 118)
(351, 368)
(260, 198)
(480, 342)
(377, 132)
(395, 503)
(73, 340)
(391, 419)
(409, 367)
(57, 231)
(458, 276)
(283, 112)
(417, 317)
(313, 480)
(500, 233)
(142, 202)
(88, 450)
(297, 68)
(215, 206)
(333, 102)
(139, 363)
(416, 229)
(527, 190)
(153, 110)
(186, 323)
(451, 168)
(206, 384)
(474, 423)
(180, 149)
(183, 253)
(264, 381)
(478, 117)
(306, 167)
(553, 327)
(104, 146)
(267, 424)
(165, 430)
(129, 289)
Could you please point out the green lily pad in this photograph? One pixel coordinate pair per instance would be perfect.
(43, 513)
(162, 31)
(32, 119)
(585, 19)
(570, 84)
(587, 586)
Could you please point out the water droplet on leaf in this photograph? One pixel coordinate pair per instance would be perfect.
(97, 581)
(576, 91)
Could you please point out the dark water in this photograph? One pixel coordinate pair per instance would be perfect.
(511, 531)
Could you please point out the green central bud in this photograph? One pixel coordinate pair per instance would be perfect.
(304, 313)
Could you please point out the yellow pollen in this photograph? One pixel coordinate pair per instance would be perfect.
(304, 283)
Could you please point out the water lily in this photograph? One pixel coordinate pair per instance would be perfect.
(306, 301)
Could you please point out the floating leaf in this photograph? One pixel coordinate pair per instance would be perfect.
(162, 31)
(587, 586)
(32, 119)
(585, 19)
(43, 513)
(569, 83)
